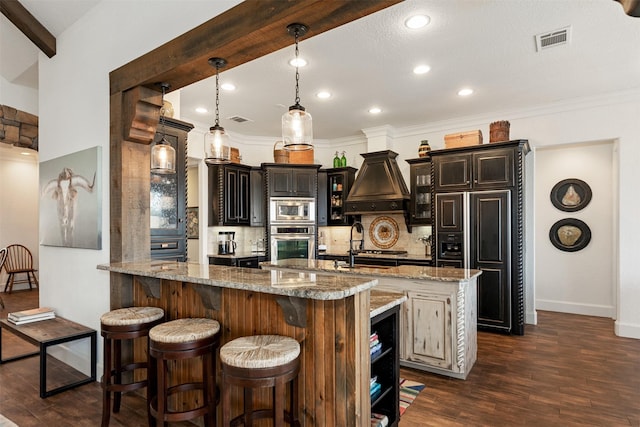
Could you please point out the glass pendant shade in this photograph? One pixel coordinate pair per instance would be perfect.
(297, 125)
(163, 155)
(163, 158)
(297, 129)
(217, 148)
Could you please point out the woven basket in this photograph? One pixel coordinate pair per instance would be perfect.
(280, 155)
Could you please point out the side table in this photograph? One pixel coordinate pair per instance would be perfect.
(47, 333)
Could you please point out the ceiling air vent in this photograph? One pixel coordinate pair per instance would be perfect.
(239, 119)
(554, 38)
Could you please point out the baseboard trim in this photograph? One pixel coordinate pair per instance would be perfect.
(574, 308)
(627, 330)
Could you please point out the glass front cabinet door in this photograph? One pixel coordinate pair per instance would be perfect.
(420, 203)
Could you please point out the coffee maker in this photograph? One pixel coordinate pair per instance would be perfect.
(226, 242)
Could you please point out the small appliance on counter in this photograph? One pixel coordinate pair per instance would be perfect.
(226, 242)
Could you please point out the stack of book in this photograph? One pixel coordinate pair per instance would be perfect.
(375, 346)
(374, 388)
(379, 420)
(33, 315)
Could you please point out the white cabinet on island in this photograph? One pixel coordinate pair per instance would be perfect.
(438, 322)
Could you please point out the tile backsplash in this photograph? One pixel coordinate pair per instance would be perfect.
(337, 238)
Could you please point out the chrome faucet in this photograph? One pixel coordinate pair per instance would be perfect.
(352, 253)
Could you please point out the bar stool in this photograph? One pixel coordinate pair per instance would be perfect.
(183, 339)
(260, 361)
(117, 326)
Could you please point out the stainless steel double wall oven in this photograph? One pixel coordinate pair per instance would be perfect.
(292, 227)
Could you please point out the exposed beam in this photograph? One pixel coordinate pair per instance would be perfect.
(631, 7)
(251, 29)
(29, 25)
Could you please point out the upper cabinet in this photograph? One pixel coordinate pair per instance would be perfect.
(292, 180)
(168, 198)
(420, 202)
(229, 194)
(487, 169)
(339, 182)
(257, 197)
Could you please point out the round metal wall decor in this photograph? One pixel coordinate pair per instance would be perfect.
(570, 235)
(571, 195)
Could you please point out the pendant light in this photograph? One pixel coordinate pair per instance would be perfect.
(163, 155)
(297, 129)
(216, 143)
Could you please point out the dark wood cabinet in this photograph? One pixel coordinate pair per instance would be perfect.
(385, 365)
(229, 194)
(339, 182)
(479, 205)
(168, 199)
(292, 180)
(245, 261)
(489, 225)
(420, 202)
(482, 170)
(257, 203)
(322, 206)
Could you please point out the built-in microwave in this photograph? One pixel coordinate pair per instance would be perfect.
(292, 209)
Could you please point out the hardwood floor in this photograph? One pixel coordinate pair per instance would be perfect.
(568, 370)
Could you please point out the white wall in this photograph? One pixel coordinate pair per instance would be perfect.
(580, 282)
(19, 97)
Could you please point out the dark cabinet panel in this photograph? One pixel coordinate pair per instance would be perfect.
(493, 169)
(229, 194)
(449, 212)
(168, 199)
(322, 205)
(490, 252)
(257, 203)
(453, 172)
(292, 181)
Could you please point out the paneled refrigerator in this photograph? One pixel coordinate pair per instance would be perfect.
(478, 209)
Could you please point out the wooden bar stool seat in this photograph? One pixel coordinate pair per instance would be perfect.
(261, 361)
(183, 339)
(115, 327)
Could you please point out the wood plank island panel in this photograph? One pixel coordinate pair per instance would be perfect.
(333, 379)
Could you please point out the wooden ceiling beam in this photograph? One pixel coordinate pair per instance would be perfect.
(251, 29)
(29, 25)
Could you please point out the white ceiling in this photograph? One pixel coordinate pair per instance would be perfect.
(487, 45)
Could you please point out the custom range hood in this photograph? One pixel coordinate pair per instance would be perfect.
(379, 187)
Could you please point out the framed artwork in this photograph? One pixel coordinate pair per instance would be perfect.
(571, 195)
(71, 200)
(570, 235)
(192, 223)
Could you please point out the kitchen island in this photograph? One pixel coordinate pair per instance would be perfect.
(438, 322)
(329, 315)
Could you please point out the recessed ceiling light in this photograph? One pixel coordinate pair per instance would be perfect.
(323, 94)
(202, 110)
(298, 62)
(465, 92)
(228, 86)
(421, 69)
(375, 110)
(24, 153)
(417, 21)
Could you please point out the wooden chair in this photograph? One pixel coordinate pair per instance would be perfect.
(3, 257)
(19, 260)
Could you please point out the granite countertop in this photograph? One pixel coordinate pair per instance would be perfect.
(403, 272)
(239, 254)
(311, 285)
(382, 301)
